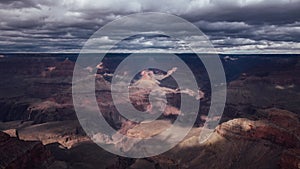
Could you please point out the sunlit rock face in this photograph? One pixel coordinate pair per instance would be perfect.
(272, 142)
(255, 130)
(18, 154)
(67, 133)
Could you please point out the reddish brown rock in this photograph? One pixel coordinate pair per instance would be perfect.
(17, 154)
(61, 69)
(284, 119)
(67, 133)
(256, 130)
(290, 159)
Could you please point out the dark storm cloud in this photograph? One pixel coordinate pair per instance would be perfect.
(17, 4)
(288, 32)
(265, 12)
(54, 25)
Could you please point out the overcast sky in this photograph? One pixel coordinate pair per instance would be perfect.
(233, 26)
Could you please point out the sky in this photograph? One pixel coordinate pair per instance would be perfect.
(232, 26)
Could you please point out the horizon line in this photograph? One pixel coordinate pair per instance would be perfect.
(1, 53)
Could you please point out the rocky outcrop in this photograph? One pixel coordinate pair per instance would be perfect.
(37, 111)
(17, 154)
(276, 125)
(48, 111)
(123, 139)
(147, 130)
(256, 130)
(60, 69)
(271, 143)
(67, 133)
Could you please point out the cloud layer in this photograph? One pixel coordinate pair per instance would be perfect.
(233, 26)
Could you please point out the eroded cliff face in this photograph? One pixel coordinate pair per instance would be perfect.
(270, 143)
(266, 87)
(17, 154)
(36, 89)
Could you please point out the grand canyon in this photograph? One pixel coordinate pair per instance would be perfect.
(260, 126)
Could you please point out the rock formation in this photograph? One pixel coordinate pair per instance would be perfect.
(17, 154)
(270, 143)
(290, 159)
